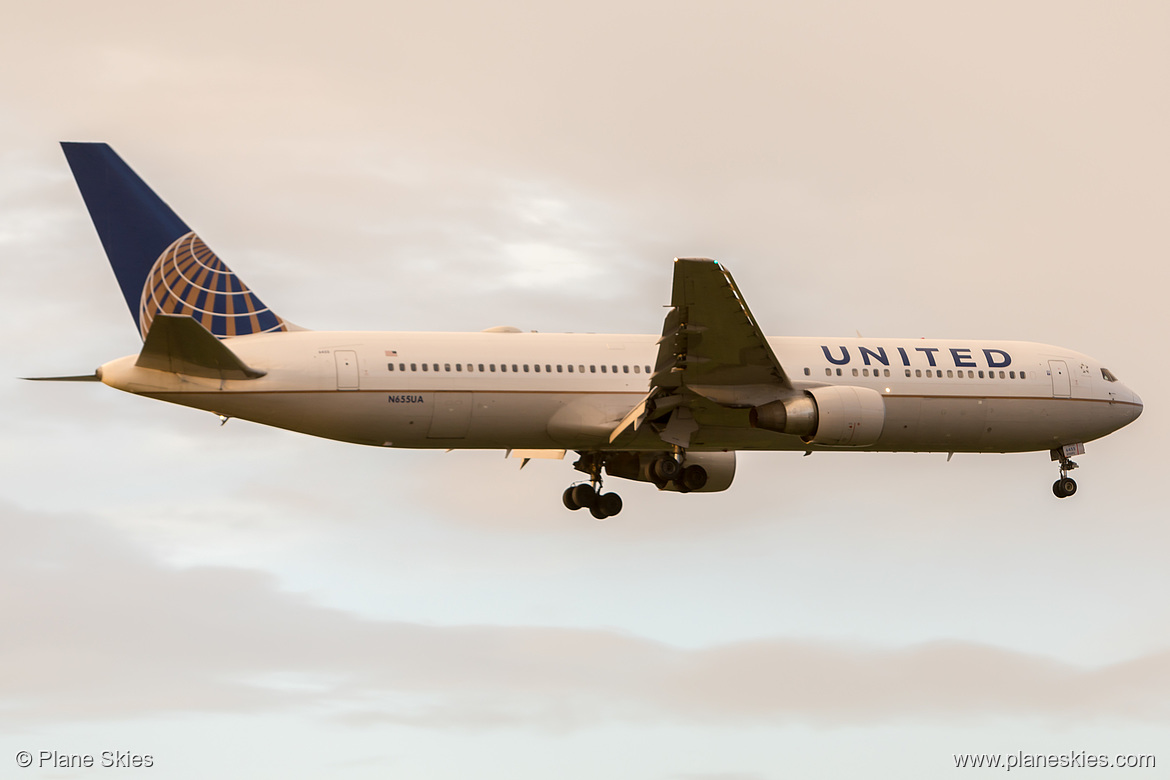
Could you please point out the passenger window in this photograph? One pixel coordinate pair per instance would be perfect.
(446, 367)
(980, 374)
(838, 372)
(1001, 375)
(886, 371)
(560, 368)
(928, 373)
(424, 366)
(828, 372)
(1012, 374)
(514, 371)
(807, 371)
(570, 368)
(626, 369)
(855, 371)
(951, 375)
(1023, 375)
(647, 369)
(390, 366)
(907, 372)
(864, 372)
(971, 374)
(580, 369)
(536, 368)
(614, 369)
(458, 366)
(413, 367)
(603, 369)
(493, 367)
(547, 368)
(525, 368)
(637, 369)
(592, 369)
(481, 366)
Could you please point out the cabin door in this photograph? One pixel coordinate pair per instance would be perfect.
(1061, 385)
(347, 369)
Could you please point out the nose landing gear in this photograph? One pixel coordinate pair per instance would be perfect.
(1066, 485)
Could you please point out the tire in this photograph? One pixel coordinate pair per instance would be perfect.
(667, 468)
(570, 502)
(598, 512)
(1068, 486)
(610, 503)
(1056, 489)
(584, 496)
(694, 477)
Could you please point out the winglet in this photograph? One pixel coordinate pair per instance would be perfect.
(180, 344)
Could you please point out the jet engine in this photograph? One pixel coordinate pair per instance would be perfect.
(835, 416)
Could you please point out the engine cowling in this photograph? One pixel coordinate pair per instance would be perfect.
(719, 468)
(835, 416)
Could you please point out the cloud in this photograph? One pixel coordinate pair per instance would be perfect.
(95, 629)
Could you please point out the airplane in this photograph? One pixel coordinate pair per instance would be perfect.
(671, 410)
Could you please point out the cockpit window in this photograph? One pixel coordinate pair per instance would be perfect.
(1108, 375)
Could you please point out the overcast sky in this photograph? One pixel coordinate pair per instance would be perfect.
(243, 601)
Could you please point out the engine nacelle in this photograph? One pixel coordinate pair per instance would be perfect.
(719, 468)
(835, 416)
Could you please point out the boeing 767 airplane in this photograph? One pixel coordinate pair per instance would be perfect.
(671, 410)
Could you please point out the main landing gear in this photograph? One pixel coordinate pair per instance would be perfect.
(589, 496)
(600, 505)
(667, 468)
(1066, 485)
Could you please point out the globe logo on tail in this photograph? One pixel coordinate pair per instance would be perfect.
(189, 279)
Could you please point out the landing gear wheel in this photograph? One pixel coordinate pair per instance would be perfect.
(1064, 487)
(598, 512)
(583, 496)
(666, 468)
(693, 478)
(610, 503)
(570, 502)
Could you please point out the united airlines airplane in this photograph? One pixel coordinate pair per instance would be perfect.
(671, 410)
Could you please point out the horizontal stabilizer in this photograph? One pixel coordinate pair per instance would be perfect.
(179, 344)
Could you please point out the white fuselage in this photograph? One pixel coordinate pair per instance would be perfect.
(568, 391)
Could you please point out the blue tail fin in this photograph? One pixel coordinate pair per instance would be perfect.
(161, 265)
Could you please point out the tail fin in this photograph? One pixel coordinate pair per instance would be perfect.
(162, 266)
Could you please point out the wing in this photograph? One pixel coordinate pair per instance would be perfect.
(713, 359)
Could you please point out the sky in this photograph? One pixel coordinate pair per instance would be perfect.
(244, 601)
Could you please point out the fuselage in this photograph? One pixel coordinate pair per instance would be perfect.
(497, 390)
